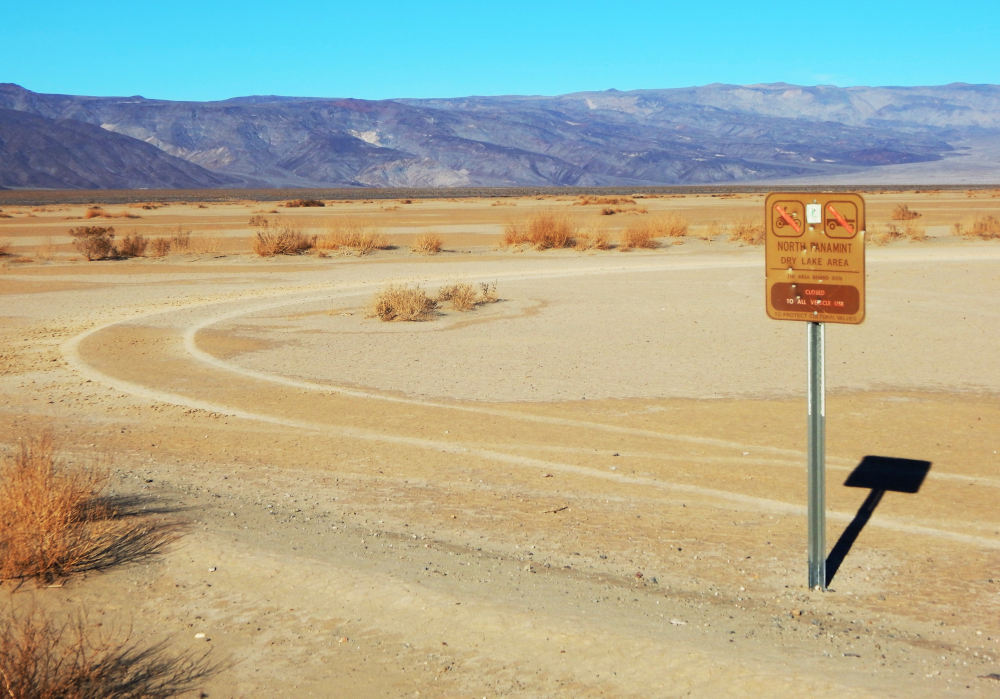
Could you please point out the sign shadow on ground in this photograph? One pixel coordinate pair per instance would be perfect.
(880, 474)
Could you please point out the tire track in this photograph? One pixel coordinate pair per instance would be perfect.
(187, 337)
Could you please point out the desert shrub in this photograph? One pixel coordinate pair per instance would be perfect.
(54, 521)
(278, 239)
(181, 240)
(132, 245)
(462, 296)
(596, 240)
(642, 234)
(671, 226)
(488, 292)
(903, 212)
(465, 297)
(41, 658)
(542, 232)
(911, 231)
(4, 247)
(94, 242)
(402, 303)
(514, 234)
(354, 236)
(611, 204)
(883, 235)
(893, 232)
(612, 210)
(161, 246)
(550, 231)
(636, 237)
(48, 523)
(428, 244)
(295, 203)
(98, 212)
(747, 232)
(281, 240)
(586, 200)
(986, 227)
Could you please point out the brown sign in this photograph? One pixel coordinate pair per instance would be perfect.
(815, 257)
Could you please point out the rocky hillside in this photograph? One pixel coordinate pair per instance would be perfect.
(37, 152)
(716, 133)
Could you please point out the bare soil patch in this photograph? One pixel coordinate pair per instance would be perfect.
(593, 487)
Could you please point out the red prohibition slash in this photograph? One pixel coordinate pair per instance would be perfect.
(840, 219)
(788, 219)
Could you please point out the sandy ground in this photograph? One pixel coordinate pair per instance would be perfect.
(595, 487)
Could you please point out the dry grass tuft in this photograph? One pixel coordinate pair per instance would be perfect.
(514, 234)
(98, 212)
(94, 242)
(902, 212)
(398, 302)
(462, 297)
(637, 237)
(4, 247)
(98, 243)
(594, 240)
(671, 226)
(642, 234)
(428, 244)
(893, 233)
(354, 236)
(161, 247)
(488, 292)
(297, 203)
(132, 245)
(543, 231)
(181, 240)
(747, 232)
(282, 240)
(402, 303)
(279, 239)
(588, 200)
(40, 658)
(465, 297)
(879, 235)
(53, 521)
(986, 227)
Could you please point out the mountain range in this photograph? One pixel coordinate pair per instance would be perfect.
(699, 135)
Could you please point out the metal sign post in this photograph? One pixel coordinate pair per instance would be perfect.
(816, 507)
(815, 259)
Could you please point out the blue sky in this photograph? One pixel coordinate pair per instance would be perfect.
(214, 50)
